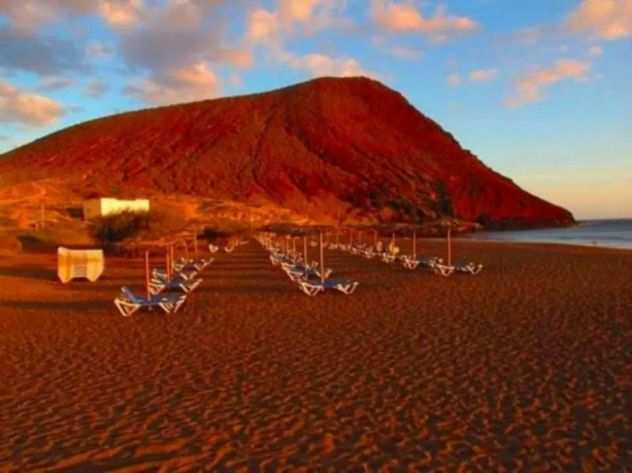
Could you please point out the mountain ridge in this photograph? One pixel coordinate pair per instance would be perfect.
(336, 150)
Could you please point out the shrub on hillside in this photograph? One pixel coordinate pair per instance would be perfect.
(116, 228)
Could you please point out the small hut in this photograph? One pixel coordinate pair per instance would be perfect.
(106, 206)
(72, 264)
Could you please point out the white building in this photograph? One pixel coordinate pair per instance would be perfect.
(106, 206)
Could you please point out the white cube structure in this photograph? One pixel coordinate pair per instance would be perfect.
(73, 264)
(106, 206)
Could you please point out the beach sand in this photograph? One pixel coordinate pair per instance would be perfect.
(525, 367)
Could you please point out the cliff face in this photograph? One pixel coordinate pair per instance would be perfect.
(336, 150)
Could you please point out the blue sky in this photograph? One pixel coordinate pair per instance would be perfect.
(539, 90)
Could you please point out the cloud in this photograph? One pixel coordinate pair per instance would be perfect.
(408, 54)
(595, 51)
(262, 25)
(606, 19)
(318, 65)
(47, 56)
(529, 86)
(272, 29)
(98, 50)
(483, 75)
(291, 17)
(176, 50)
(95, 88)
(23, 107)
(398, 52)
(454, 80)
(55, 83)
(184, 84)
(28, 15)
(406, 18)
(121, 13)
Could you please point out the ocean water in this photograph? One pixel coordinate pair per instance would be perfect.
(602, 233)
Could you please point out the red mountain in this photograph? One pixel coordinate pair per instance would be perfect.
(346, 150)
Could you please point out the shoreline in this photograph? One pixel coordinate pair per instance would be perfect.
(556, 243)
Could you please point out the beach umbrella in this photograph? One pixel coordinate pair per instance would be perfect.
(147, 293)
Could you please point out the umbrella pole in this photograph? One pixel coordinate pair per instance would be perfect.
(375, 238)
(322, 260)
(195, 245)
(414, 244)
(167, 262)
(305, 251)
(147, 293)
(172, 257)
(449, 246)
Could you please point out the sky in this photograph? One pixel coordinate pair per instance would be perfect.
(540, 90)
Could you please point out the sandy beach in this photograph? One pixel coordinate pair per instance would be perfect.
(525, 367)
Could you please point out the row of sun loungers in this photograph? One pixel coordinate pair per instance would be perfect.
(433, 263)
(167, 293)
(228, 247)
(308, 276)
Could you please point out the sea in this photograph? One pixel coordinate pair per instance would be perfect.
(599, 233)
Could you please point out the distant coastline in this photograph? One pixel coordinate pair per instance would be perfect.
(602, 233)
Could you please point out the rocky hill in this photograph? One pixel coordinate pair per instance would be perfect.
(334, 150)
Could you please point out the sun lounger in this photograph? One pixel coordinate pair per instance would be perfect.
(128, 303)
(313, 287)
(443, 269)
(388, 258)
(368, 253)
(198, 265)
(298, 272)
(187, 275)
(409, 262)
(425, 262)
(468, 267)
(160, 284)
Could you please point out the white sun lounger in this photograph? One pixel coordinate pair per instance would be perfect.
(198, 265)
(298, 272)
(388, 258)
(425, 262)
(189, 275)
(159, 284)
(313, 287)
(128, 303)
(468, 267)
